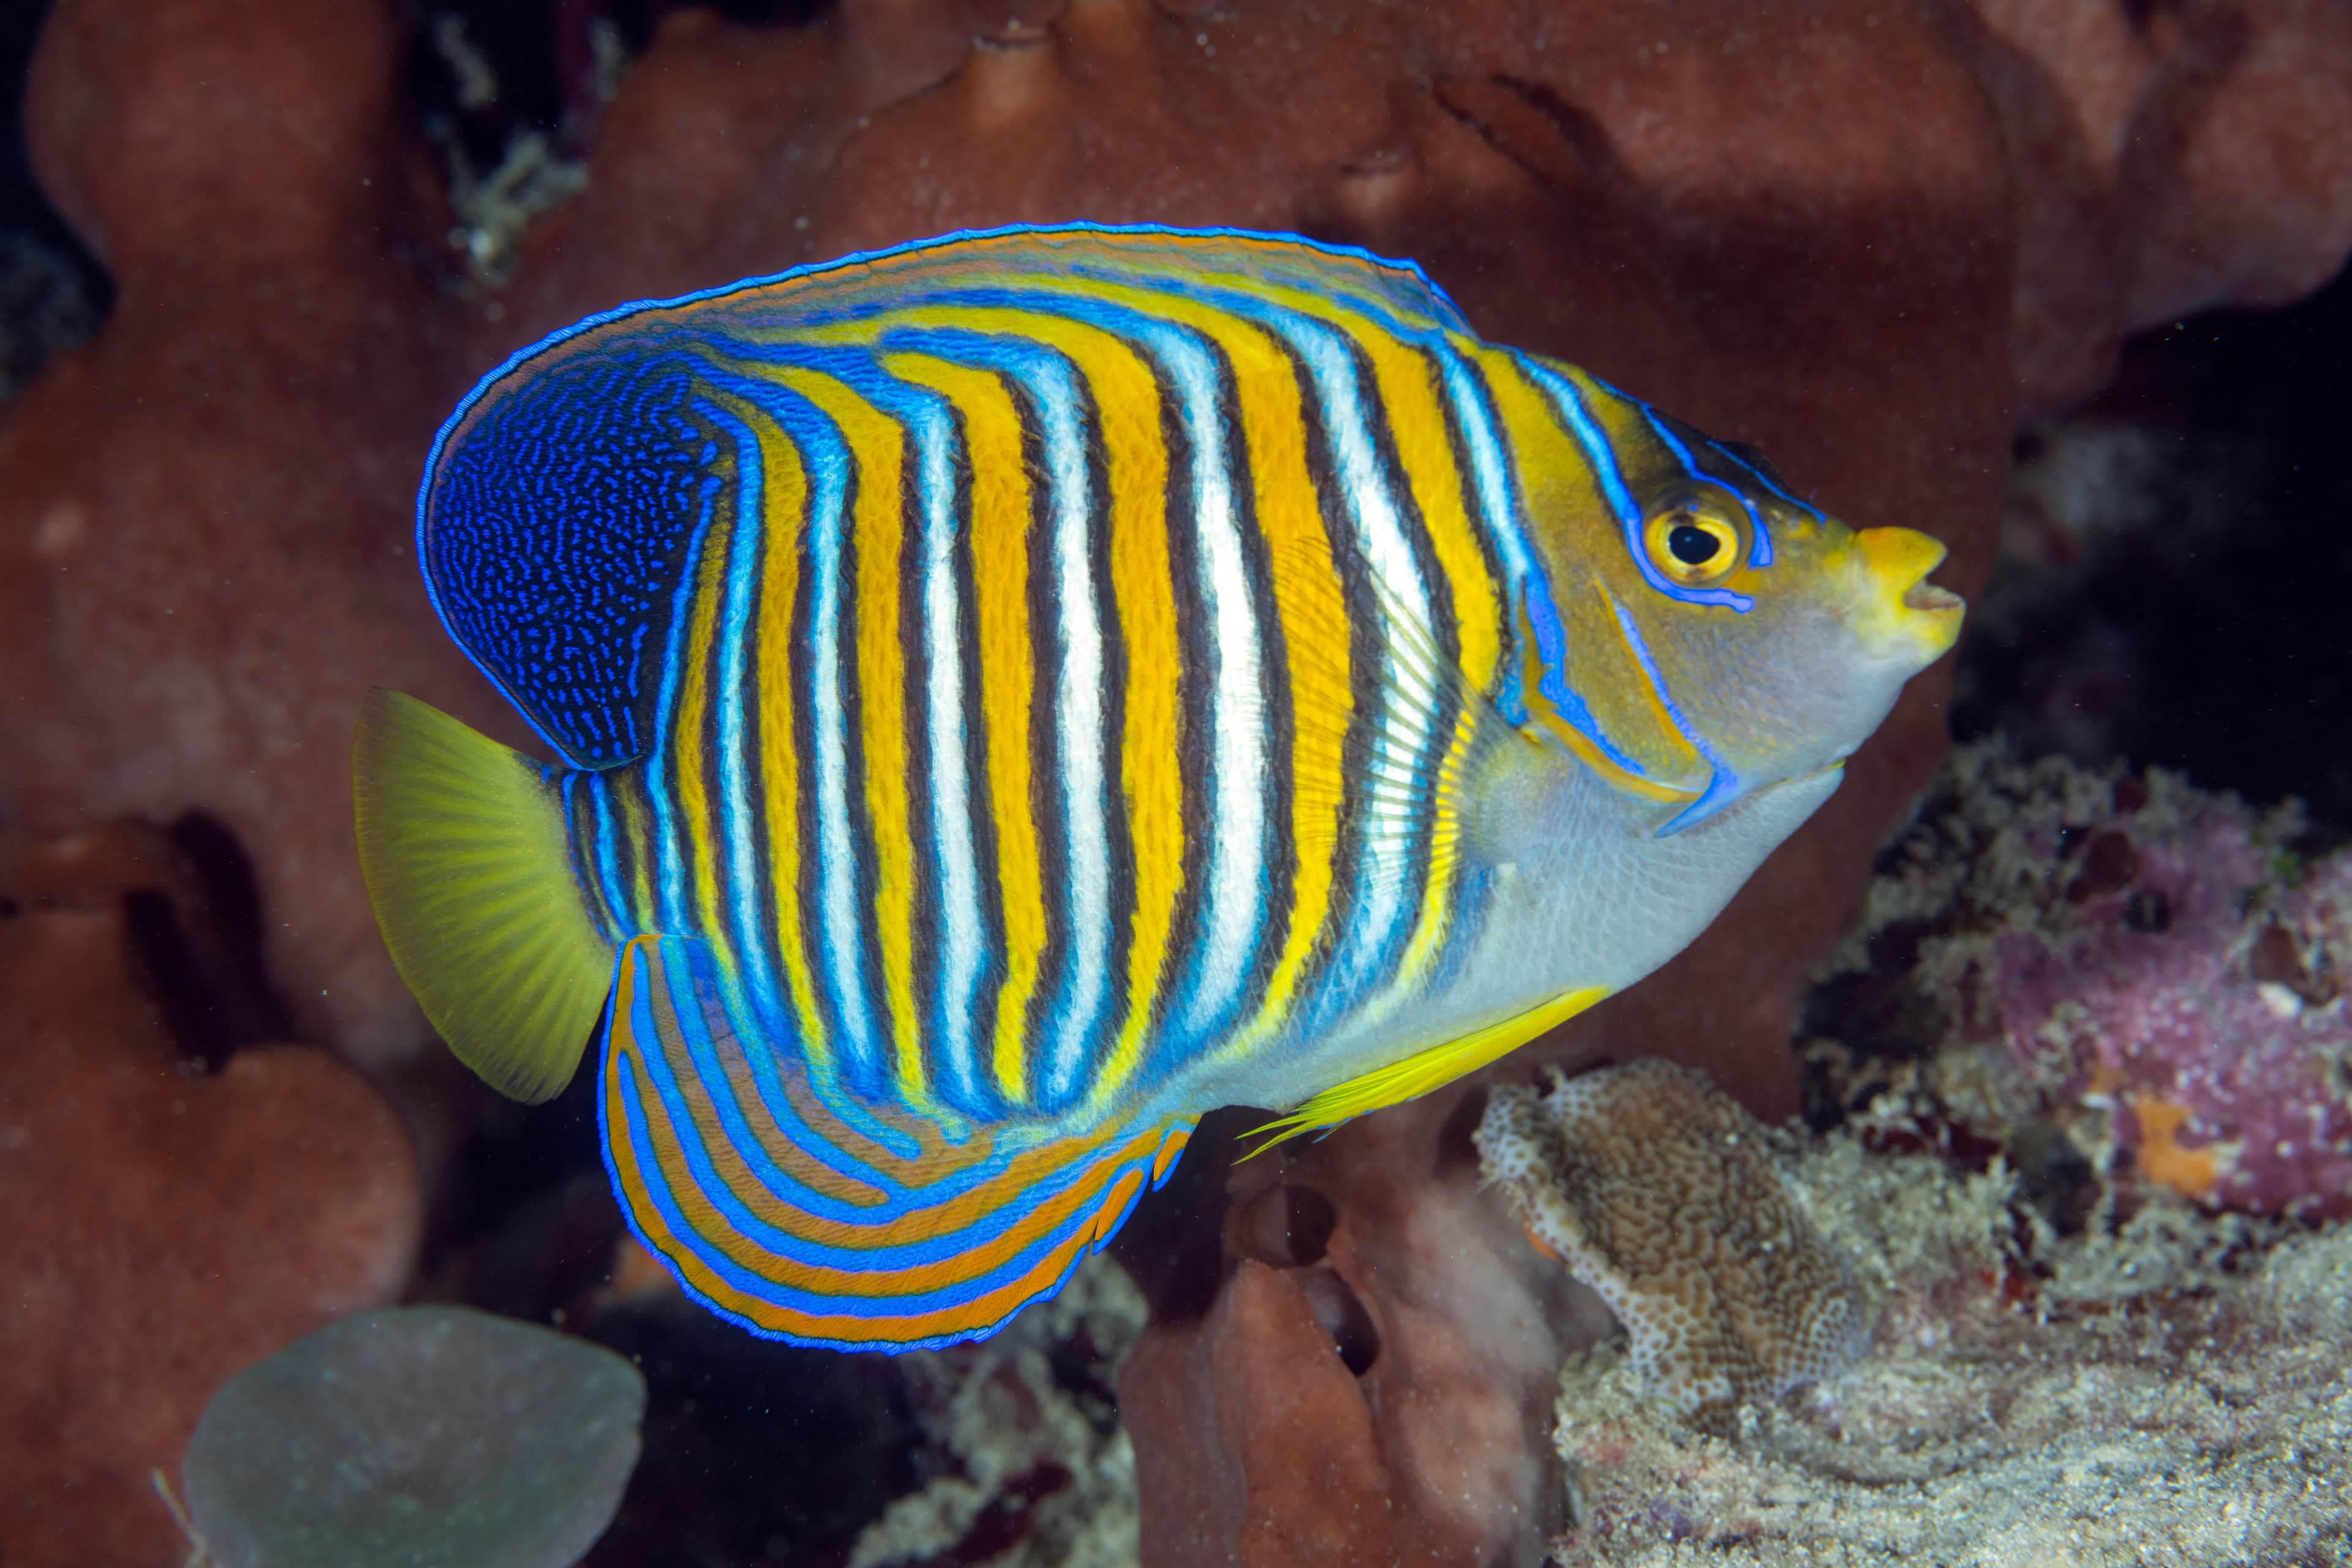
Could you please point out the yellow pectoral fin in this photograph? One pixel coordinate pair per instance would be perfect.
(1424, 1070)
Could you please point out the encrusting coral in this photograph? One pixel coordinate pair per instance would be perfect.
(1664, 1196)
(2065, 1074)
(2108, 971)
(1996, 1422)
(1042, 1474)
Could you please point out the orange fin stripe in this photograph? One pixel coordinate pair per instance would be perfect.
(672, 1201)
(895, 1223)
(660, 1094)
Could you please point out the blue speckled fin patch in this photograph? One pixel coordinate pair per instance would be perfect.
(554, 529)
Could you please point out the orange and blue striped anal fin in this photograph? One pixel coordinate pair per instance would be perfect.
(786, 1219)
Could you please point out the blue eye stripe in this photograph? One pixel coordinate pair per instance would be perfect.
(1529, 584)
(1726, 785)
(1759, 545)
(1770, 483)
(1602, 457)
(1598, 452)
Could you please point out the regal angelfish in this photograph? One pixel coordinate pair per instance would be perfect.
(1020, 691)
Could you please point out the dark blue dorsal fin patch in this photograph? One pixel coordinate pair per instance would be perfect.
(557, 514)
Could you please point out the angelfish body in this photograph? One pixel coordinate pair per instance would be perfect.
(1023, 690)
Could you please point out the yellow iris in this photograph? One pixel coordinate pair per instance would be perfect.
(1693, 546)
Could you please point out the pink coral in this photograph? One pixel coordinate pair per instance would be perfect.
(2187, 983)
(2049, 947)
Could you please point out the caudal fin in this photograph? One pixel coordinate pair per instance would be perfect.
(463, 846)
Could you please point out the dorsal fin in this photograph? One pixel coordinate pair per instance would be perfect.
(564, 499)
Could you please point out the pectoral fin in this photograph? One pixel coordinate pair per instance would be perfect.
(1417, 1074)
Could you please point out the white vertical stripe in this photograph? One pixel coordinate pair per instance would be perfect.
(1231, 917)
(741, 878)
(1079, 715)
(962, 931)
(840, 919)
(1402, 733)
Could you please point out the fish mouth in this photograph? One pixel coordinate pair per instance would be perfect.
(1902, 616)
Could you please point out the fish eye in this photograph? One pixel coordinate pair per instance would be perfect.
(1692, 547)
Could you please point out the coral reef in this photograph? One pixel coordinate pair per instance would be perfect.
(1658, 1192)
(1008, 1452)
(1035, 1470)
(182, 1199)
(2174, 158)
(1857, 242)
(204, 550)
(1993, 1424)
(1361, 1367)
(2122, 972)
(415, 1435)
(43, 308)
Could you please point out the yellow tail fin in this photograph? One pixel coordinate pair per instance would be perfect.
(463, 846)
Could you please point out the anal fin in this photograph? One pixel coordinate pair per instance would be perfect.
(774, 1212)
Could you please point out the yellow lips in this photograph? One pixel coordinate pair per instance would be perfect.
(1902, 615)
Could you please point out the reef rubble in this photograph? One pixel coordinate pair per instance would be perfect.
(2017, 1404)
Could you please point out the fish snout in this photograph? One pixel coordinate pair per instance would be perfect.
(1899, 616)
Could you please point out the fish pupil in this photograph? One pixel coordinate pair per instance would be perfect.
(1692, 545)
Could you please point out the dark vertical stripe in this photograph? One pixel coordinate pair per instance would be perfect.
(975, 746)
(1119, 831)
(1192, 744)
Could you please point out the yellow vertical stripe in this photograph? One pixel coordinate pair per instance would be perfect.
(783, 499)
(1126, 402)
(1545, 459)
(876, 446)
(698, 830)
(1313, 614)
(1407, 392)
(1572, 526)
(1000, 570)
